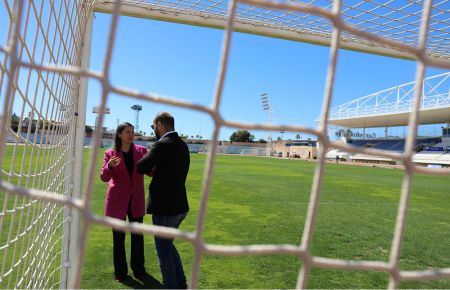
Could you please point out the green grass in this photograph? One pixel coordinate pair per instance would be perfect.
(24, 161)
(264, 201)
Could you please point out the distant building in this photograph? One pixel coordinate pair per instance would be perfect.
(304, 149)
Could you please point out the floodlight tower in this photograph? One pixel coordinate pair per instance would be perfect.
(266, 107)
(137, 108)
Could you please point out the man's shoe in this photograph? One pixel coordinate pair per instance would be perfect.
(141, 276)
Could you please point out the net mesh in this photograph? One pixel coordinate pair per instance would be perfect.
(397, 20)
(38, 119)
(42, 83)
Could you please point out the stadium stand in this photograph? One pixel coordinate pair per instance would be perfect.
(392, 144)
(432, 150)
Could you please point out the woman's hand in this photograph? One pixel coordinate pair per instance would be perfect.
(113, 162)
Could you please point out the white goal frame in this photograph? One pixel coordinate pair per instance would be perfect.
(63, 194)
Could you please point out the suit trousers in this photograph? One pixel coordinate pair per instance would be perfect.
(169, 259)
(137, 251)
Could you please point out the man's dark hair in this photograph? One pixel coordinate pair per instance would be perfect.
(166, 119)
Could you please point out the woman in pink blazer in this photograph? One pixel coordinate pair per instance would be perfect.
(125, 197)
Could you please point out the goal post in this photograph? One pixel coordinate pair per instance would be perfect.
(42, 116)
(278, 20)
(81, 106)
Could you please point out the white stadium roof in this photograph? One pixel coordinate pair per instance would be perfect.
(393, 106)
(431, 116)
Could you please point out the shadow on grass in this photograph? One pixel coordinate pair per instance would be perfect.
(144, 282)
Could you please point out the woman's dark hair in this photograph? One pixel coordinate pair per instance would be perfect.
(119, 130)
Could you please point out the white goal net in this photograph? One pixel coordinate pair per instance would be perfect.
(38, 111)
(44, 56)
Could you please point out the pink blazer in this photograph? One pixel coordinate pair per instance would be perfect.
(122, 188)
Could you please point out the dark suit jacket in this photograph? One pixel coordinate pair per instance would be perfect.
(169, 158)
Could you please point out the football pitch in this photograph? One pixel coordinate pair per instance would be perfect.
(256, 200)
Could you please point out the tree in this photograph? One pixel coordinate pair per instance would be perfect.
(40, 124)
(88, 130)
(242, 136)
(14, 119)
(262, 141)
(298, 137)
(14, 122)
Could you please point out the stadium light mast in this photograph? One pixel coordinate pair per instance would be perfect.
(98, 111)
(137, 108)
(266, 107)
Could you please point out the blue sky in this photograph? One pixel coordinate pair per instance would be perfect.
(182, 61)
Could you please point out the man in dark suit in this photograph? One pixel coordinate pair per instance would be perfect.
(168, 160)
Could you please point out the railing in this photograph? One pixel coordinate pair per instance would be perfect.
(434, 102)
(397, 100)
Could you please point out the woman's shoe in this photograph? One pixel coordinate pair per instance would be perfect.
(121, 278)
